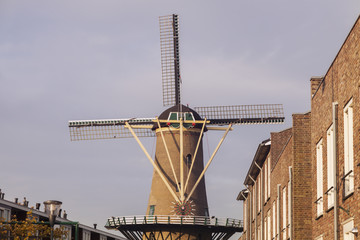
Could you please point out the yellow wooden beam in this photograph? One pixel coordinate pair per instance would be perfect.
(208, 164)
(181, 160)
(168, 154)
(194, 157)
(152, 162)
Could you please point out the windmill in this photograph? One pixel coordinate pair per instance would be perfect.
(177, 206)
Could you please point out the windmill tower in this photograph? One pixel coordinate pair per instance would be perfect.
(177, 205)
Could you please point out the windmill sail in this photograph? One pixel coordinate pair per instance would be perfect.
(109, 128)
(243, 114)
(170, 60)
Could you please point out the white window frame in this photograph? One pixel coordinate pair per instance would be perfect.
(347, 226)
(254, 202)
(319, 237)
(86, 235)
(268, 230)
(245, 215)
(265, 183)
(289, 207)
(330, 166)
(5, 213)
(259, 193)
(319, 179)
(274, 220)
(284, 192)
(265, 227)
(269, 175)
(348, 149)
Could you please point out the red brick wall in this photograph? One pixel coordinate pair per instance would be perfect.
(341, 83)
(302, 177)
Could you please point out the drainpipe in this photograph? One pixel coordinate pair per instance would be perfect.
(248, 230)
(278, 211)
(261, 202)
(336, 217)
(290, 202)
(254, 210)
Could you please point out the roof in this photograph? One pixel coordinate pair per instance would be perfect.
(259, 159)
(36, 212)
(178, 108)
(243, 194)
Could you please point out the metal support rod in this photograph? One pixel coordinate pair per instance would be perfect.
(168, 154)
(257, 165)
(195, 154)
(208, 164)
(152, 162)
(181, 161)
(252, 179)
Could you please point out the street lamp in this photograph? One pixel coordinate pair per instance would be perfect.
(52, 208)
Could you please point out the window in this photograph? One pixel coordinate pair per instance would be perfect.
(330, 166)
(188, 160)
(348, 149)
(319, 237)
(207, 212)
(253, 201)
(68, 230)
(86, 235)
(289, 208)
(265, 227)
(268, 230)
(319, 179)
(347, 227)
(4, 214)
(151, 210)
(265, 183)
(269, 171)
(284, 213)
(259, 192)
(245, 215)
(274, 220)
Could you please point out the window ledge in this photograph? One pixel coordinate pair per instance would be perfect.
(330, 208)
(349, 194)
(320, 216)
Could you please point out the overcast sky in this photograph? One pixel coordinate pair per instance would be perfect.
(64, 60)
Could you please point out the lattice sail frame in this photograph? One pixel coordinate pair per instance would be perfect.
(243, 114)
(109, 128)
(170, 59)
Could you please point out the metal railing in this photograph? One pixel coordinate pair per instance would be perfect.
(174, 219)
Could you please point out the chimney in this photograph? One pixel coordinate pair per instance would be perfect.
(16, 200)
(65, 215)
(95, 225)
(38, 206)
(2, 195)
(315, 83)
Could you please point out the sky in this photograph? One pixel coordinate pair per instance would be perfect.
(64, 60)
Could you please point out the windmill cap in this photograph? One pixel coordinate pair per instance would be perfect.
(178, 108)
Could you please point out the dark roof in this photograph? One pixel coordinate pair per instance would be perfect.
(178, 108)
(259, 158)
(243, 194)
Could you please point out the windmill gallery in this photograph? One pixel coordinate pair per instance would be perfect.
(177, 206)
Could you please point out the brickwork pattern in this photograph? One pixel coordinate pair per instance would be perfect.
(341, 83)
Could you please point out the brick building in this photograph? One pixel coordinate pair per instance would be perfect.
(277, 198)
(335, 128)
(312, 170)
(8, 209)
